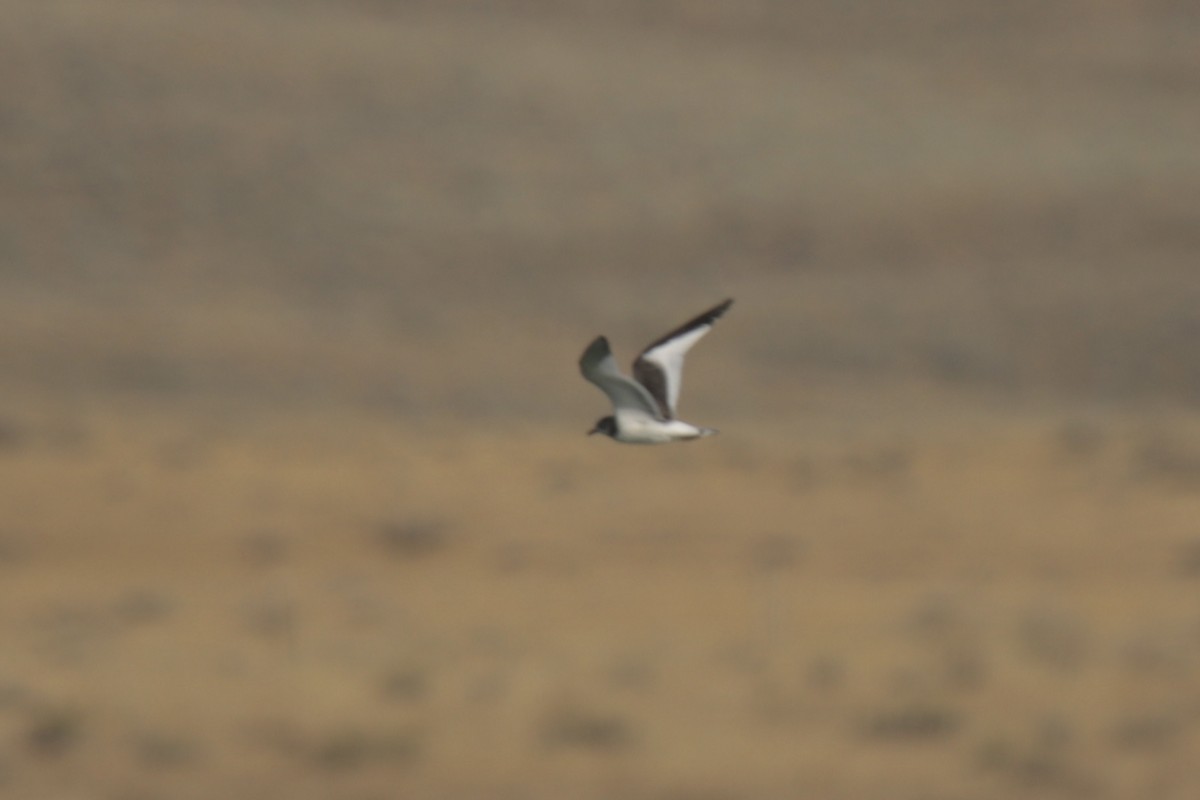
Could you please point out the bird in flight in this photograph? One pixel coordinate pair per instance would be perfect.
(644, 406)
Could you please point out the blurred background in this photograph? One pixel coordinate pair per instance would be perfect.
(296, 497)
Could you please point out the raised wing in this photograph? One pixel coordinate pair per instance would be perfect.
(660, 366)
(628, 396)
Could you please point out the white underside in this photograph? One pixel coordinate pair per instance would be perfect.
(635, 429)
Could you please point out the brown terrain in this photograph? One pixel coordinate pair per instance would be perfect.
(296, 501)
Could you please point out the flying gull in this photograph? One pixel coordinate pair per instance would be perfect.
(644, 406)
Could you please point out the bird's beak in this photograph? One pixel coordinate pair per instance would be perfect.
(594, 430)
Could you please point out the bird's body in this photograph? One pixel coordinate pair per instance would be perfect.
(644, 406)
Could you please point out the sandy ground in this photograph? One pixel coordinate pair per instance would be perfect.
(296, 501)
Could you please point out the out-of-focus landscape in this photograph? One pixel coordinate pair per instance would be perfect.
(296, 501)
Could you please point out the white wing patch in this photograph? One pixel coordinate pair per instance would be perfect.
(667, 360)
(660, 366)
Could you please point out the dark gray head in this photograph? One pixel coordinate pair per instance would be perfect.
(607, 426)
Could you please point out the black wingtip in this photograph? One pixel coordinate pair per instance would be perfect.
(713, 313)
(703, 318)
(595, 351)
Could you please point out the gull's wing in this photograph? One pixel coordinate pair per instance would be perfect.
(660, 366)
(628, 396)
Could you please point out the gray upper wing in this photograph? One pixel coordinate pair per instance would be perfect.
(628, 396)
